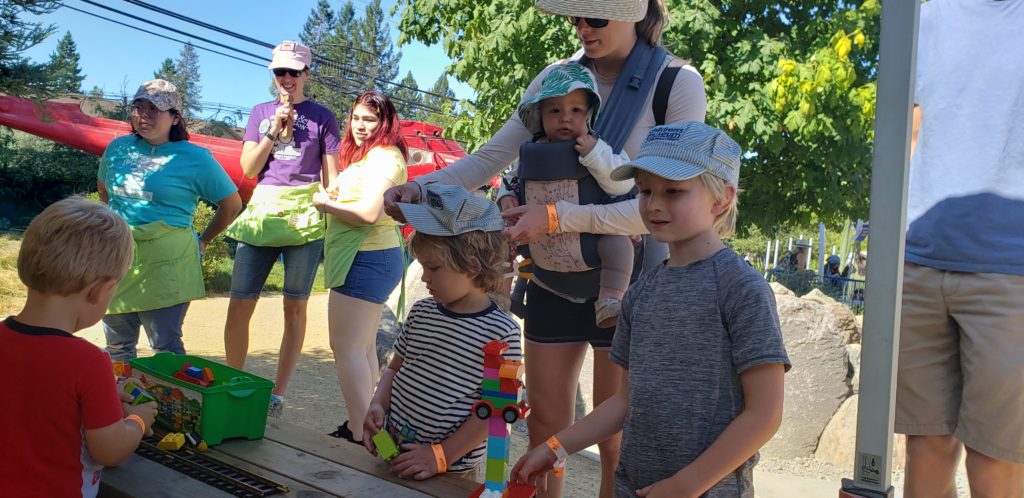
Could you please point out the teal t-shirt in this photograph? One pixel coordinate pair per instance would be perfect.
(149, 183)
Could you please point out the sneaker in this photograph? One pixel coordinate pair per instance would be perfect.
(607, 312)
(345, 433)
(276, 406)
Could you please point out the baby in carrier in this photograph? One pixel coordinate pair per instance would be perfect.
(563, 114)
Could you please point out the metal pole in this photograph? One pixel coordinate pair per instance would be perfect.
(883, 295)
(767, 262)
(821, 249)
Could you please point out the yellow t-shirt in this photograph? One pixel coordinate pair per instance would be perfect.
(386, 162)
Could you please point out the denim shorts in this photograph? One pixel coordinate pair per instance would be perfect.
(162, 326)
(253, 265)
(374, 274)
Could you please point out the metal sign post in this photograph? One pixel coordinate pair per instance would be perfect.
(883, 295)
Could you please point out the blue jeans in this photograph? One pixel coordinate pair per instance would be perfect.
(374, 274)
(253, 265)
(163, 326)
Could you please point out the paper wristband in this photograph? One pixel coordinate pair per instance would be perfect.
(552, 218)
(442, 465)
(138, 420)
(556, 447)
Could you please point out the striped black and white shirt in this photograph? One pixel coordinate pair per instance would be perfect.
(442, 369)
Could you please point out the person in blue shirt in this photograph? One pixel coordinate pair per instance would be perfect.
(154, 179)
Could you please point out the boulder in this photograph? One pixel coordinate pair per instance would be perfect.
(387, 333)
(838, 441)
(415, 289)
(849, 328)
(816, 385)
(781, 290)
(853, 355)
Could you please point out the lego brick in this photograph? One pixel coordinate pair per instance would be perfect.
(491, 385)
(496, 427)
(490, 372)
(172, 442)
(497, 447)
(208, 375)
(385, 445)
(511, 369)
(495, 486)
(496, 470)
(194, 372)
(510, 386)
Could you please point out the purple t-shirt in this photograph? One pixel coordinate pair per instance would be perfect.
(297, 161)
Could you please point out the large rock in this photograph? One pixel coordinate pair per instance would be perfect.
(415, 289)
(387, 333)
(816, 385)
(837, 445)
(849, 328)
(781, 290)
(390, 324)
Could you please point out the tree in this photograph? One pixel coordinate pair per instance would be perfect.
(65, 71)
(184, 74)
(18, 75)
(793, 82)
(408, 99)
(377, 58)
(441, 98)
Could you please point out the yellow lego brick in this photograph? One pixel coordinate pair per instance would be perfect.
(172, 442)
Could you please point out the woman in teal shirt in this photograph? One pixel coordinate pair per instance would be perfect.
(154, 178)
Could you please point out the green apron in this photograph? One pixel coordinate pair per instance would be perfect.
(166, 270)
(279, 216)
(340, 248)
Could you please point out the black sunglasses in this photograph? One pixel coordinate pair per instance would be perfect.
(593, 23)
(280, 71)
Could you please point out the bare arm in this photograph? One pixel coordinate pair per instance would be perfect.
(755, 425)
(101, 188)
(330, 169)
(365, 211)
(227, 209)
(114, 443)
(478, 168)
(255, 154)
(915, 129)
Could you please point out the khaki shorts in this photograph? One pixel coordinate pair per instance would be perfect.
(961, 365)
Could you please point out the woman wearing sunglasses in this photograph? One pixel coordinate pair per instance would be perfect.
(154, 178)
(616, 36)
(291, 144)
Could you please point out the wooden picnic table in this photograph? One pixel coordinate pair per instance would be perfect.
(308, 463)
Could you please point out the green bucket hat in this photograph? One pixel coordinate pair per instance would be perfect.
(560, 80)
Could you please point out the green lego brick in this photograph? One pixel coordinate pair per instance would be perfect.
(491, 385)
(496, 470)
(385, 445)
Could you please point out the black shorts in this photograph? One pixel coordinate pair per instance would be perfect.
(553, 320)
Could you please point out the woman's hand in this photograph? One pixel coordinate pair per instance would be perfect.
(416, 461)
(531, 222)
(508, 202)
(373, 424)
(408, 192)
(533, 467)
(282, 115)
(321, 198)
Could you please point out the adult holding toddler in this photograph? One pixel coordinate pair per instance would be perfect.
(620, 39)
(291, 144)
(154, 178)
(363, 260)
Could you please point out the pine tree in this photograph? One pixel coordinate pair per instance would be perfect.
(18, 75)
(380, 65)
(186, 69)
(441, 105)
(408, 100)
(65, 72)
(320, 34)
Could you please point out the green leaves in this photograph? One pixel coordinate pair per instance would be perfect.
(793, 82)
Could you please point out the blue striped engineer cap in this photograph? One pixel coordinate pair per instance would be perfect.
(684, 150)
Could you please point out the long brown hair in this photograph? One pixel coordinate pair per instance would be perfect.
(653, 24)
(388, 132)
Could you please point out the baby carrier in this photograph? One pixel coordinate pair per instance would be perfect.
(568, 263)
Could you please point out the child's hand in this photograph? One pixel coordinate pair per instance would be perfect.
(585, 143)
(373, 424)
(147, 411)
(416, 461)
(533, 467)
(670, 487)
(508, 202)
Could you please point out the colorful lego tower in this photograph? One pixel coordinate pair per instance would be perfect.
(500, 404)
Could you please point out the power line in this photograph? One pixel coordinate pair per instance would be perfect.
(264, 44)
(165, 37)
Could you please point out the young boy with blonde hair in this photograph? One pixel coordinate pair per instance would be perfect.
(699, 337)
(63, 420)
(425, 396)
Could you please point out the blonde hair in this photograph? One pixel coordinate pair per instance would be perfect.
(482, 253)
(725, 223)
(653, 24)
(73, 244)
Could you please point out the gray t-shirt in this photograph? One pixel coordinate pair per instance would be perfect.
(685, 334)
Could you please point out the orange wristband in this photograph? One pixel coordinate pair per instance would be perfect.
(557, 448)
(552, 218)
(442, 464)
(138, 420)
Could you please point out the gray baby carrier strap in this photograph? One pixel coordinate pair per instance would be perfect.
(614, 125)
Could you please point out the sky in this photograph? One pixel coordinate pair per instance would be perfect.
(115, 57)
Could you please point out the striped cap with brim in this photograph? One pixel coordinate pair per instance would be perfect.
(449, 210)
(684, 150)
(612, 10)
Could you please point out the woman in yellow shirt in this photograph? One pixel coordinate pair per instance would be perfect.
(363, 259)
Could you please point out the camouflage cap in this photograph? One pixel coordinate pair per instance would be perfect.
(161, 93)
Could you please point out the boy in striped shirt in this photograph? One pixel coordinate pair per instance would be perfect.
(426, 394)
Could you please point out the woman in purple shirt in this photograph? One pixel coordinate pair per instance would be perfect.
(291, 143)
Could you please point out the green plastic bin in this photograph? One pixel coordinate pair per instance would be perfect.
(235, 405)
